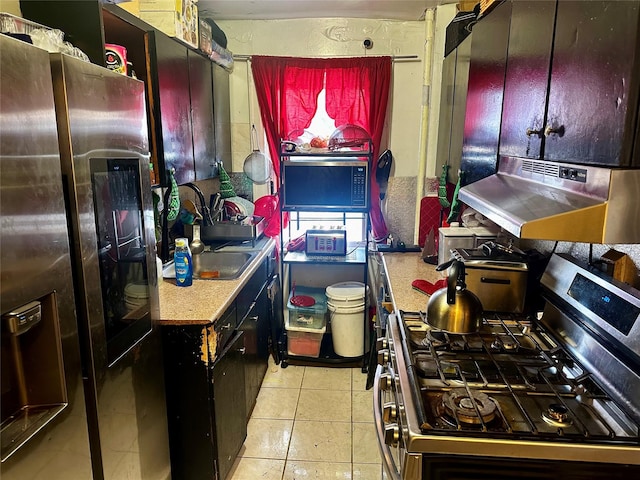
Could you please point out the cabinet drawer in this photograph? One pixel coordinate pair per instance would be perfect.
(251, 290)
(225, 327)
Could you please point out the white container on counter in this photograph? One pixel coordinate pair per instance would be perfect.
(451, 238)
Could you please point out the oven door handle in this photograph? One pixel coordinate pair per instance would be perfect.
(385, 452)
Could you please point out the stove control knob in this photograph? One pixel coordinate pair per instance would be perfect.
(385, 381)
(392, 434)
(383, 356)
(381, 343)
(389, 412)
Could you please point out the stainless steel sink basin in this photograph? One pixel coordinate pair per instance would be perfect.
(210, 265)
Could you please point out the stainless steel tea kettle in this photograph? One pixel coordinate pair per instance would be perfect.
(454, 309)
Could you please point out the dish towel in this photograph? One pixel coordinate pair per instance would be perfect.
(174, 199)
(226, 189)
(428, 288)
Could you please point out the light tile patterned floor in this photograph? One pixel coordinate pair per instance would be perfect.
(311, 423)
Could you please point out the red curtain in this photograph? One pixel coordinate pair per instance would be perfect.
(357, 93)
(287, 89)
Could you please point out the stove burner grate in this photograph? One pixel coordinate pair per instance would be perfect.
(468, 407)
(480, 384)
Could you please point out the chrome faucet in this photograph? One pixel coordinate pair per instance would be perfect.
(206, 217)
(204, 209)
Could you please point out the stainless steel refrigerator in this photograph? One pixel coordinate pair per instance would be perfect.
(44, 428)
(104, 153)
(104, 167)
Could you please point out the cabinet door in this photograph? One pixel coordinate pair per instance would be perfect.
(201, 93)
(446, 111)
(455, 75)
(593, 92)
(229, 404)
(484, 95)
(255, 327)
(174, 108)
(222, 115)
(189, 403)
(526, 78)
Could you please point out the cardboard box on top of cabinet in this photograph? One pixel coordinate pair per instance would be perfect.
(133, 7)
(487, 5)
(176, 18)
(467, 5)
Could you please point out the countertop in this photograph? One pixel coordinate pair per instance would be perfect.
(206, 300)
(402, 269)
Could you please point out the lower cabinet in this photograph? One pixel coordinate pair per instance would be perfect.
(256, 327)
(228, 396)
(205, 401)
(213, 373)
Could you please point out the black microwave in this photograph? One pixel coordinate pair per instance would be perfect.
(321, 185)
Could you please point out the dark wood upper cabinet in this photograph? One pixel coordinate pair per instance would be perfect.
(179, 84)
(527, 78)
(202, 119)
(483, 110)
(572, 82)
(173, 107)
(595, 80)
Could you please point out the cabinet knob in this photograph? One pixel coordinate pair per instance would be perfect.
(385, 381)
(382, 343)
(383, 356)
(554, 130)
(242, 350)
(532, 131)
(389, 412)
(254, 318)
(391, 434)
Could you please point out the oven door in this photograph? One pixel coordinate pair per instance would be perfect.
(384, 412)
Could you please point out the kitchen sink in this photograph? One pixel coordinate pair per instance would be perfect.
(216, 265)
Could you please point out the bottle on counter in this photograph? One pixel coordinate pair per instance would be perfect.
(183, 264)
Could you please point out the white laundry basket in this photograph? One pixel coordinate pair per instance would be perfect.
(346, 303)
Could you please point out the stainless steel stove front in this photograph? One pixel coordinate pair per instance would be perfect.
(413, 449)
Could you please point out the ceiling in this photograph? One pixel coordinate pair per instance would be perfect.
(286, 9)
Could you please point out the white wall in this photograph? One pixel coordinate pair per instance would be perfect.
(10, 6)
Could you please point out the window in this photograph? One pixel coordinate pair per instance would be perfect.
(322, 125)
(353, 223)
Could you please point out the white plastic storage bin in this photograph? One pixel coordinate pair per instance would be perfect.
(304, 341)
(346, 302)
(313, 316)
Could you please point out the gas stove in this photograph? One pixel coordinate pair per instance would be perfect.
(556, 390)
(509, 379)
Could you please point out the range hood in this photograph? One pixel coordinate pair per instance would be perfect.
(533, 199)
